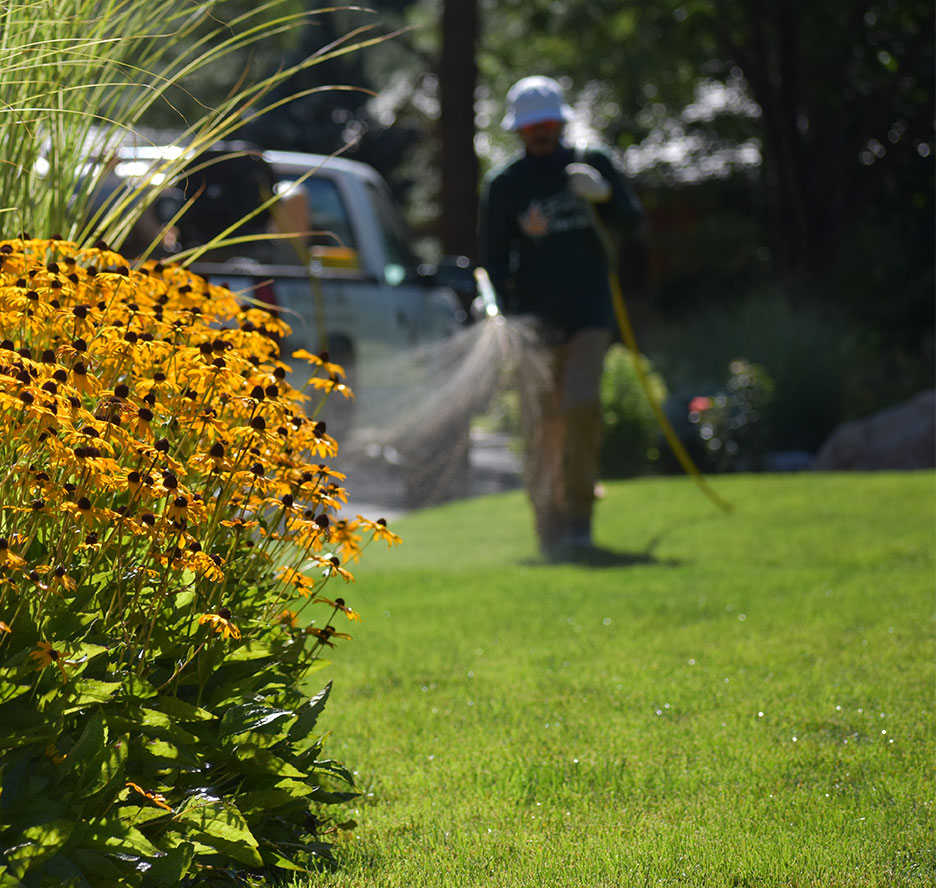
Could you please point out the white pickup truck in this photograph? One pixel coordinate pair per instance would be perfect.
(352, 286)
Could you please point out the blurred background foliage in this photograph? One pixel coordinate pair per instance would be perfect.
(784, 150)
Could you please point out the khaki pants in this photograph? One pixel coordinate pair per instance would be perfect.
(562, 431)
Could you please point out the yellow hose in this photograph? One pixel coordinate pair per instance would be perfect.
(627, 334)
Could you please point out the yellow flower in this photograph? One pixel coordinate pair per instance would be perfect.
(339, 604)
(83, 381)
(4, 627)
(289, 619)
(304, 585)
(155, 797)
(325, 635)
(331, 565)
(221, 622)
(320, 361)
(8, 558)
(46, 655)
(52, 752)
(331, 384)
(379, 529)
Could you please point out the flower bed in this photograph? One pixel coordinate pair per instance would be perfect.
(165, 500)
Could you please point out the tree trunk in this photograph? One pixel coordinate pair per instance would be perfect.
(457, 76)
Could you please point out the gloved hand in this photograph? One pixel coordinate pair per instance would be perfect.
(586, 182)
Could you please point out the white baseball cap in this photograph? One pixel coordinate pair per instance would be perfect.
(534, 100)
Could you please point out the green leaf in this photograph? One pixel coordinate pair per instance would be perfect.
(264, 761)
(308, 714)
(133, 815)
(97, 866)
(332, 798)
(31, 727)
(61, 870)
(92, 739)
(35, 808)
(169, 871)
(253, 650)
(272, 858)
(137, 688)
(112, 832)
(8, 880)
(88, 651)
(223, 827)
(39, 843)
(15, 776)
(85, 691)
(181, 711)
(285, 793)
(165, 750)
(184, 599)
(106, 772)
(249, 717)
(336, 768)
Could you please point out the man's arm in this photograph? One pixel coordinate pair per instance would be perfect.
(622, 211)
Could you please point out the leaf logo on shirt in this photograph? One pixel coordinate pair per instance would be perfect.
(534, 222)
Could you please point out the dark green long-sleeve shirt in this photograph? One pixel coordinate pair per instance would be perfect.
(539, 245)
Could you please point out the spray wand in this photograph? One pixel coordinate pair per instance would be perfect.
(486, 293)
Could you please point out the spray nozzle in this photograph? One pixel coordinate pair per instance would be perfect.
(486, 293)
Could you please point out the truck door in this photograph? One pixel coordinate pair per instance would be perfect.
(335, 303)
(422, 313)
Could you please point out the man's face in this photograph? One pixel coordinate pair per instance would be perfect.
(541, 139)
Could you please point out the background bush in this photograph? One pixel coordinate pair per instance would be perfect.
(823, 370)
(631, 431)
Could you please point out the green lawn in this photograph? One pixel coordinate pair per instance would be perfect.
(740, 700)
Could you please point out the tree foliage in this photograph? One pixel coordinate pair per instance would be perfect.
(836, 97)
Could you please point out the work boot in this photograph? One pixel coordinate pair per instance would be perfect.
(578, 534)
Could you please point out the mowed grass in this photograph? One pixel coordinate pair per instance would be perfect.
(735, 700)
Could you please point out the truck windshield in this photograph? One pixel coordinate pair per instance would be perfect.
(327, 214)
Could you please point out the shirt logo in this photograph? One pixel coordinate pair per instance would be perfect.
(534, 222)
(562, 211)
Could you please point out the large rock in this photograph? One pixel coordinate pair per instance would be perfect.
(901, 437)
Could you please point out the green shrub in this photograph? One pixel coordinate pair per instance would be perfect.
(631, 431)
(730, 422)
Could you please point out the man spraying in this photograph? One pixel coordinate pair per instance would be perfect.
(546, 259)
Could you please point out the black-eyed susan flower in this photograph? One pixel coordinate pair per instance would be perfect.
(287, 618)
(83, 380)
(156, 798)
(339, 604)
(321, 361)
(220, 622)
(331, 566)
(54, 755)
(9, 558)
(326, 634)
(301, 583)
(379, 529)
(45, 655)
